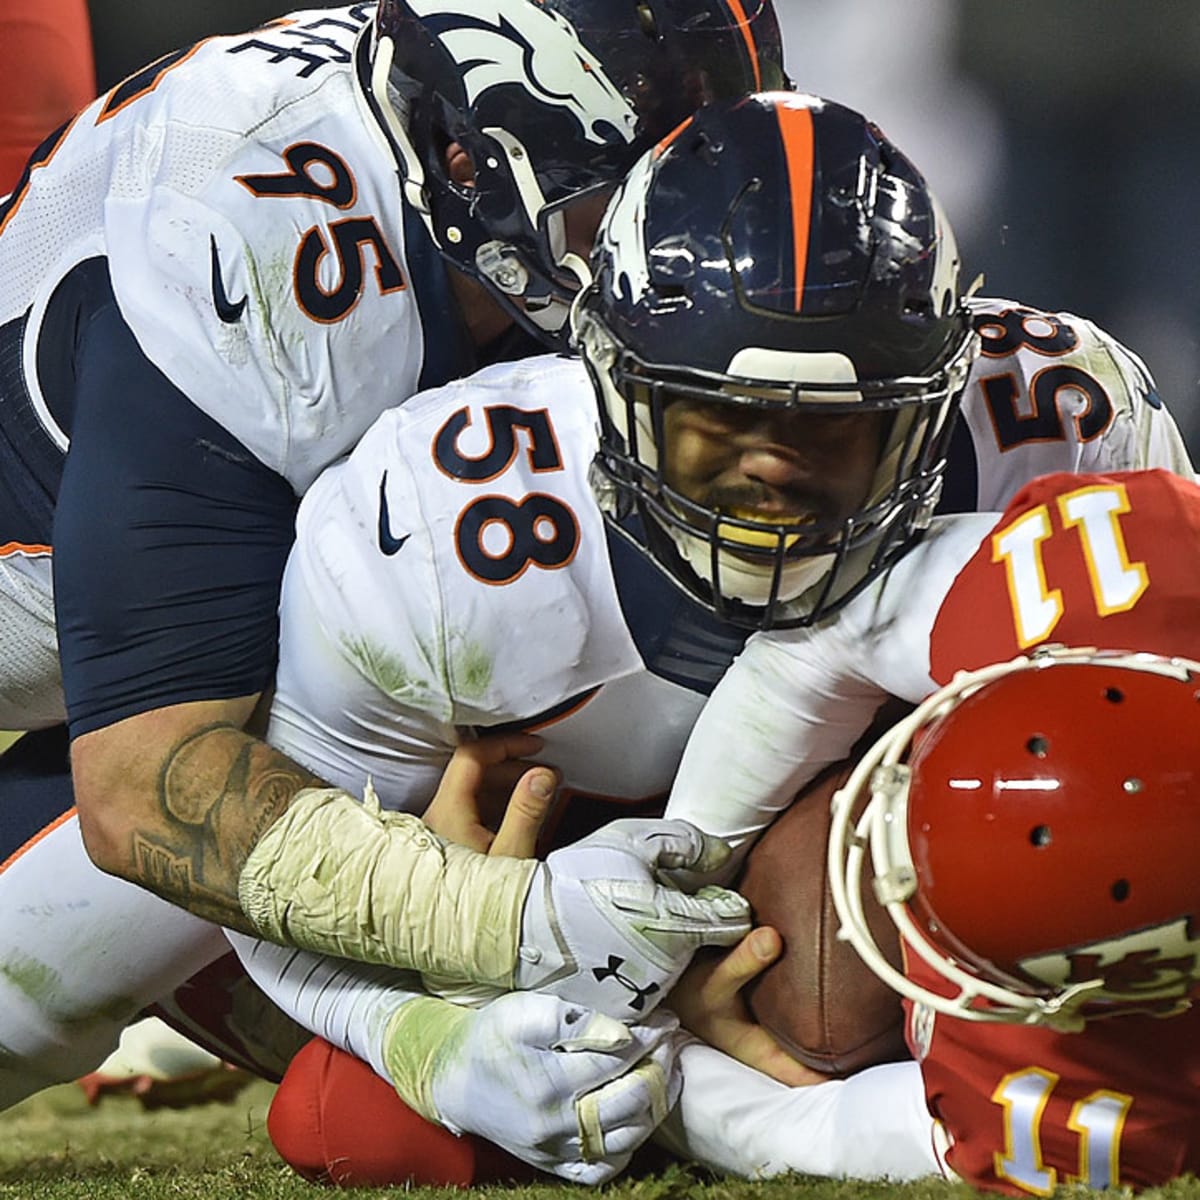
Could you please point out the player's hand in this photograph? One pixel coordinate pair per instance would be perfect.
(601, 928)
(490, 783)
(568, 1090)
(708, 1000)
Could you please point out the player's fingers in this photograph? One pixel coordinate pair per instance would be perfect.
(454, 811)
(528, 807)
(747, 960)
(471, 761)
(496, 789)
(758, 1049)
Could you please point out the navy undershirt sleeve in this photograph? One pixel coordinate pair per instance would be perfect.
(35, 787)
(170, 539)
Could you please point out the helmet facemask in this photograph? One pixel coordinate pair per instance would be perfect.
(749, 570)
(891, 837)
(777, 256)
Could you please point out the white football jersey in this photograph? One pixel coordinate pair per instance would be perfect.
(245, 205)
(249, 209)
(1050, 391)
(454, 575)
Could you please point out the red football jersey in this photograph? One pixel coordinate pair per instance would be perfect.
(1029, 1109)
(1081, 560)
(1110, 561)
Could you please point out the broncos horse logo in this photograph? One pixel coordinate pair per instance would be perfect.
(623, 235)
(536, 49)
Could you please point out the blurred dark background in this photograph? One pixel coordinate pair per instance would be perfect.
(1059, 135)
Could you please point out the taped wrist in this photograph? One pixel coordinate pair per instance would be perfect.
(342, 877)
(422, 1034)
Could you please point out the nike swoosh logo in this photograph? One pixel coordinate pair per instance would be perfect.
(388, 542)
(229, 312)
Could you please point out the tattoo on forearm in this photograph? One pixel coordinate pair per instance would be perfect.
(219, 791)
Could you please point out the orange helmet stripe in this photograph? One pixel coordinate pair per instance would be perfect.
(671, 138)
(796, 129)
(743, 22)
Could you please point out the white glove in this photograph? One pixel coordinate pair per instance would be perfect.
(602, 928)
(569, 1091)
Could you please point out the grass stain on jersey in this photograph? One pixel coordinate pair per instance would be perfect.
(391, 675)
(471, 668)
(32, 978)
(270, 290)
(43, 985)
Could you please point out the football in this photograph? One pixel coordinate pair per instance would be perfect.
(819, 999)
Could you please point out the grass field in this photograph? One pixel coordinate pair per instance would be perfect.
(53, 1147)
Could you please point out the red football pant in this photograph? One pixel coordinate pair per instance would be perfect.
(333, 1120)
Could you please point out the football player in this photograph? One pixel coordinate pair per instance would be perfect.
(1031, 828)
(212, 280)
(1018, 848)
(775, 420)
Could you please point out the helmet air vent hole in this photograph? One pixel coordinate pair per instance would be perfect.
(647, 21)
(1120, 890)
(1114, 695)
(1040, 836)
(1038, 746)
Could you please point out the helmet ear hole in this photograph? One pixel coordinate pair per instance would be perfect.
(459, 166)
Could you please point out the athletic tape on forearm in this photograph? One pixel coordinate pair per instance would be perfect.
(342, 877)
(421, 1034)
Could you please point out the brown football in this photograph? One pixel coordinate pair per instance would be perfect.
(820, 1000)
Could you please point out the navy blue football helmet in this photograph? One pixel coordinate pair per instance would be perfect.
(777, 253)
(551, 100)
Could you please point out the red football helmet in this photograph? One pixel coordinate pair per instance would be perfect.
(1034, 830)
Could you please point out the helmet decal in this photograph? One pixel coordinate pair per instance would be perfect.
(623, 233)
(796, 138)
(944, 285)
(498, 44)
(742, 19)
(1146, 960)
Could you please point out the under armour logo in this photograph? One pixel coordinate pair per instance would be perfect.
(613, 971)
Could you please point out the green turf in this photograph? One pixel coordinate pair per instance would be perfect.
(53, 1147)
